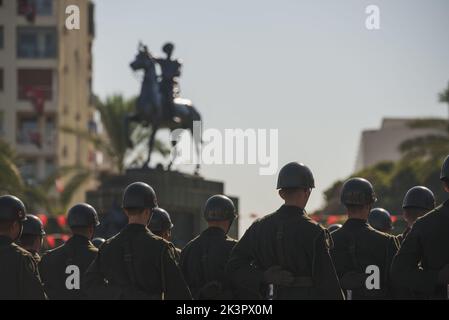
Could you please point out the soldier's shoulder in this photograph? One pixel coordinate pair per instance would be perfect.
(380, 236)
(21, 251)
(430, 218)
(53, 253)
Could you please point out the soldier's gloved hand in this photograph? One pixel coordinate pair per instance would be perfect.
(443, 275)
(353, 280)
(278, 276)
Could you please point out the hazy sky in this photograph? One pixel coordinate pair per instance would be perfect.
(308, 68)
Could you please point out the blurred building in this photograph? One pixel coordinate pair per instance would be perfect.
(45, 84)
(383, 144)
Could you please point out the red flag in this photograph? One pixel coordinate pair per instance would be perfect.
(43, 218)
(37, 97)
(62, 221)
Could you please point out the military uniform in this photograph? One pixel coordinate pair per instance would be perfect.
(136, 264)
(203, 263)
(357, 246)
(290, 239)
(78, 251)
(424, 252)
(19, 277)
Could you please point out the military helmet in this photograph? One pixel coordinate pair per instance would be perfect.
(334, 227)
(160, 221)
(82, 215)
(419, 197)
(219, 208)
(168, 48)
(97, 242)
(445, 169)
(33, 226)
(11, 209)
(357, 191)
(139, 195)
(295, 175)
(380, 219)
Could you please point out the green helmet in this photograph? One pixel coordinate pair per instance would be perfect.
(219, 208)
(82, 215)
(419, 197)
(160, 221)
(11, 209)
(295, 175)
(445, 169)
(380, 219)
(139, 195)
(33, 226)
(357, 191)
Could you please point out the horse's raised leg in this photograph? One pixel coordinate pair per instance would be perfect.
(151, 145)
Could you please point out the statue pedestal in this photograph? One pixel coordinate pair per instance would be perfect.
(182, 195)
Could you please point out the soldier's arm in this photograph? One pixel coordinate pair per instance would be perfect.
(175, 285)
(32, 287)
(244, 276)
(325, 277)
(405, 270)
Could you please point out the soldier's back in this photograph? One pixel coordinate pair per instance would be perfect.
(203, 263)
(71, 259)
(19, 277)
(358, 246)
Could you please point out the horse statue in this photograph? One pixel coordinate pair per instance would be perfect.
(159, 104)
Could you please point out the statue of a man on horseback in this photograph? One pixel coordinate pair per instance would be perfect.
(159, 104)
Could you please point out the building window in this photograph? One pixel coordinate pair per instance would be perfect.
(29, 169)
(36, 42)
(50, 131)
(32, 8)
(27, 129)
(50, 167)
(32, 82)
(2, 37)
(1, 80)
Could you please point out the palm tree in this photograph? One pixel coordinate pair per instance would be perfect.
(444, 96)
(10, 178)
(114, 141)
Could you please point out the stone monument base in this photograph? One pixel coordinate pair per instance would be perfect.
(182, 195)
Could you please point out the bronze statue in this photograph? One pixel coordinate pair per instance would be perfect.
(159, 104)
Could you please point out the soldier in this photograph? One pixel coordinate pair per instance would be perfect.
(380, 219)
(136, 264)
(19, 276)
(161, 225)
(417, 202)
(285, 255)
(63, 268)
(359, 250)
(32, 236)
(204, 259)
(422, 263)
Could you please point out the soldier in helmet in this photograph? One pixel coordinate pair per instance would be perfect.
(204, 259)
(136, 264)
(161, 225)
(63, 268)
(19, 276)
(422, 263)
(417, 202)
(380, 219)
(285, 255)
(32, 236)
(358, 247)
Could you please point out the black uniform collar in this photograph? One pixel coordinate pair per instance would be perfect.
(4, 241)
(214, 231)
(291, 210)
(355, 223)
(135, 227)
